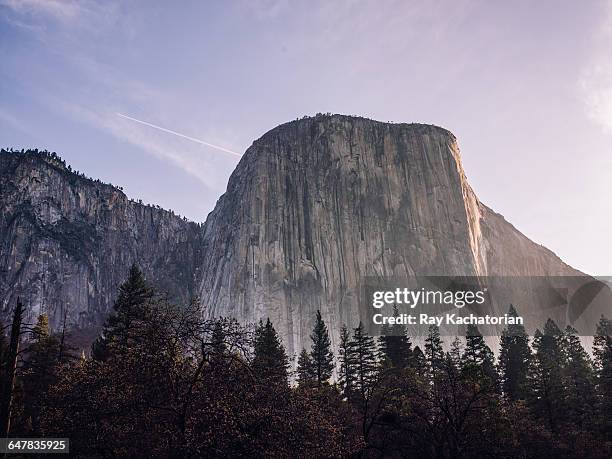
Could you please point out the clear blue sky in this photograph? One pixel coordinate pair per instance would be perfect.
(526, 87)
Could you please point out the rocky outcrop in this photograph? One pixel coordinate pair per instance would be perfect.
(317, 204)
(313, 206)
(66, 242)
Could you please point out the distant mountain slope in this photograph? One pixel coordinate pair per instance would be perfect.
(66, 241)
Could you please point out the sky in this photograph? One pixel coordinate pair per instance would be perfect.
(525, 86)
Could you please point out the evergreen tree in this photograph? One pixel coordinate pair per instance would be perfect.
(602, 343)
(602, 350)
(218, 347)
(363, 353)
(129, 308)
(270, 361)
(306, 376)
(40, 368)
(3, 349)
(434, 352)
(478, 360)
(10, 363)
(578, 373)
(321, 355)
(546, 395)
(418, 361)
(346, 375)
(514, 360)
(395, 346)
(455, 353)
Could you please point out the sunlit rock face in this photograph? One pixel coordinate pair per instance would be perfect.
(317, 204)
(66, 242)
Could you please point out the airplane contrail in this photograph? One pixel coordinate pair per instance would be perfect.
(169, 131)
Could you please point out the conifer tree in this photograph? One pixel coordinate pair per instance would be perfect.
(602, 351)
(346, 375)
(418, 361)
(218, 347)
(578, 372)
(547, 395)
(39, 371)
(270, 361)
(478, 360)
(395, 346)
(514, 360)
(8, 382)
(455, 353)
(363, 352)
(3, 349)
(129, 308)
(434, 352)
(321, 354)
(305, 372)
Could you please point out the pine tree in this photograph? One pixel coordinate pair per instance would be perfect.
(346, 375)
(514, 360)
(306, 376)
(478, 360)
(418, 361)
(395, 346)
(321, 355)
(602, 350)
(129, 308)
(270, 361)
(218, 347)
(8, 382)
(3, 350)
(434, 352)
(363, 352)
(455, 353)
(578, 372)
(39, 371)
(547, 395)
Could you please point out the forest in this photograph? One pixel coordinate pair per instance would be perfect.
(163, 381)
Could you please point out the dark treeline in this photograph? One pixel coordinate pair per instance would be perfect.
(161, 381)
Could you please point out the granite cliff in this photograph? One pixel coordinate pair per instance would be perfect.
(317, 204)
(312, 207)
(66, 241)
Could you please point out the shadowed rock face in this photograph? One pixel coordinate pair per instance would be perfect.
(67, 242)
(316, 204)
(313, 206)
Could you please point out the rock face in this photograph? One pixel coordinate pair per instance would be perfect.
(316, 204)
(313, 206)
(66, 242)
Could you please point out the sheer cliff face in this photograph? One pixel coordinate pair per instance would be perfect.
(316, 204)
(67, 242)
(313, 207)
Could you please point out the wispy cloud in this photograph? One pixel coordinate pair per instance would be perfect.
(191, 159)
(62, 10)
(596, 80)
(178, 134)
(69, 32)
